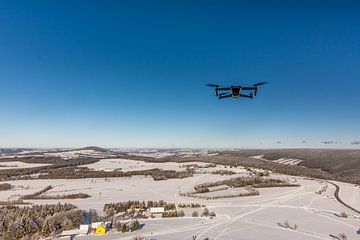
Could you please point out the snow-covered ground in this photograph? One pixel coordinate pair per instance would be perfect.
(350, 194)
(255, 217)
(17, 164)
(133, 165)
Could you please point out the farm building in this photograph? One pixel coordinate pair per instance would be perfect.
(154, 210)
(95, 225)
(83, 229)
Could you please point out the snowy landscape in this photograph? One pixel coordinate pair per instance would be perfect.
(299, 207)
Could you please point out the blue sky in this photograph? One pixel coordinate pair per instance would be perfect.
(132, 73)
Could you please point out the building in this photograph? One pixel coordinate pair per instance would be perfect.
(100, 230)
(95, 225)
(83, 229)
(155, 210)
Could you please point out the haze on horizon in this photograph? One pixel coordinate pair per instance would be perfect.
(132, 74)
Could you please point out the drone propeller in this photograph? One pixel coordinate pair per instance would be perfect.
(260, 83)
(212, 85)
(215, 86)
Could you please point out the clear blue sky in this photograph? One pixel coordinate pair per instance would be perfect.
(132, 73)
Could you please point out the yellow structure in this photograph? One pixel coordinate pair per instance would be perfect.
(100, 230)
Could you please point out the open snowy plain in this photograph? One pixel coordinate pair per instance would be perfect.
(310, 214)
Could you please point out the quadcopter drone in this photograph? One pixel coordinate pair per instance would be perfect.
(235, 91)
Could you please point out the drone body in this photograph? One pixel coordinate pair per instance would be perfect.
(235, 91)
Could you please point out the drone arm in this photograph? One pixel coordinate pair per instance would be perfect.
(225, 96)
(248, 88)
(246, 96)
(223, 89)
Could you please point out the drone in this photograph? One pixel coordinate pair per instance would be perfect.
(235, 91)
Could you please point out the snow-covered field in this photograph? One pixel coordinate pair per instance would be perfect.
(286, 161)
(17, 164)
(255, 217)
(133, 165)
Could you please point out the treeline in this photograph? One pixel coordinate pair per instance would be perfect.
(13, 202)
(243, 194)
(36, 194)
(194, 165)
(71, 173)
(223, 172)
(5, 187)
(38, 221)
(55, 163)
(191, 205)
(168, 214)
(40, 195)
(65, 196)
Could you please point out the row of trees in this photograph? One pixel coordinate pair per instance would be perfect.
(194, 165)
(206, 213)
(71, 173)
(40, 195)
(242, 194)
(223, 172)
(36, 194)
(179, 213)
(190, 205)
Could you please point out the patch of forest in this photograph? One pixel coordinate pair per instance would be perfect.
(38, 221)
(341, 164)
(255, 182)
(55, 163)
